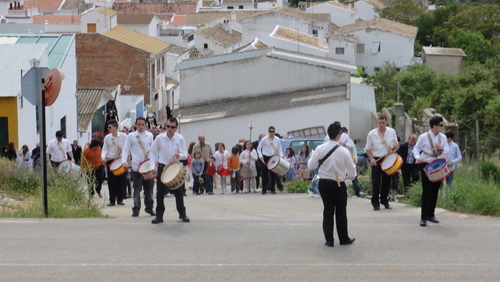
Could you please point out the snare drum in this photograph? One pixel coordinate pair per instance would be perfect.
(116, 167)
(437, 170)
(64, 167)
(174, 175)
(146, 170)
(391, 163)
(278, 165)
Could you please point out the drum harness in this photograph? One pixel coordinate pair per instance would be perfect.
(320, 162)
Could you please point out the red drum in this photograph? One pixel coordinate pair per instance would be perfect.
(146, 170)
(391, 163)
(116, 167)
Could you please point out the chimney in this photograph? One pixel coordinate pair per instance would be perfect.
(321, 36)
(227, 25)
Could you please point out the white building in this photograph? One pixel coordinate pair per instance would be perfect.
(98, 20)
(365, 9)
(143, 23)
(340, 14)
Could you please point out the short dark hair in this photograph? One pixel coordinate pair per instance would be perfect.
(59, 133)
(344, 129)
(235, 150)
(334, 130)
(382, 116)
(435, 120)
(113, 123)
(173, 120)
(94, 143)
(140, 118)
(271, 127)
(450, 134)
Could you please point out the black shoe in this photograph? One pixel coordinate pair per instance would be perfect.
(151, 212)
(348, 242)
(433, 219)
(121, 203)
(157, 220)
(273, 192)
(387, 206)
(329, 244)
(263, 193)
(135, 214)
(423, 223)
(111, 204)
(376, 208)
(184, 218)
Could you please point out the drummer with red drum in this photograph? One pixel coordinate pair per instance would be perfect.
(430, 147)
(380, 142)
(59, 149)
(138, 144)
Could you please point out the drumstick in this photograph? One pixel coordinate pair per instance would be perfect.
(337, 178)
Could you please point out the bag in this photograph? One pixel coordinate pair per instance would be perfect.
(220, 169)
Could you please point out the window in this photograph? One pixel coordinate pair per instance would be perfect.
(375, 47)
(63, 125)
(339, 51)
(240, 7)
(360, 48)
(205, 45)
(315, 32)
(230, 7)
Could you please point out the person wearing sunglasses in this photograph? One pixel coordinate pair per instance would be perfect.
(430, 146)
(111, 150)
(269, 146)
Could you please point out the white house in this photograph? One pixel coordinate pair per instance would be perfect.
(238, 4)
(340, 14)
(53, 51)
(143, 23)
(292, 40)
(98, 20)
(379, 41)
(266, 87)
(217, 40)
(365, 9)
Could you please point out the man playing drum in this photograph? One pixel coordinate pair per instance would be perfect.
(111, 150)
(380, 142)
(138, 144)
(430, 146)
(58, 150)
(268, 146)
(167, 148)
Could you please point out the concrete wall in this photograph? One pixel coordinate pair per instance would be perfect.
(362, 104)
(338, 15)
(102, 21)
(450, 65)
(364, 11)
(253, 77)
(229, 130)
(349, 51)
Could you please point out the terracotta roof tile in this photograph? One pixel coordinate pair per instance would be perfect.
(135, 18)
(203, 18)
(289, 12)
(381, 24)
(155, 8)
(219, 35)
(305, 39)
(136, 40)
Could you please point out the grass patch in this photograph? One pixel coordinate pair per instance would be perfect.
(21, 194)
(296, 186)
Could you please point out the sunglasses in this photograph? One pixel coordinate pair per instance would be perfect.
(271, 131)
(170, 126)
(440, 124)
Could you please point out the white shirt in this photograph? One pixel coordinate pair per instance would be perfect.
(423, 147)
(338, 164)
(109, 148)
(164, 148)
(374, 143)
(266, 149)
(132, 146)
(55, 153)
(246, 155)
(221, 158)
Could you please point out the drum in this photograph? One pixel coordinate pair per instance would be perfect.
(437, 170)
(174, 175)
(278, 165)
(64, 167)
(146, 170)
(116, 167)
(391, 163)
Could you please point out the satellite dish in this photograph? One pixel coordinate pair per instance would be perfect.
(53, 81)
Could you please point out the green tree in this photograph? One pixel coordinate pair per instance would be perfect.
(386, 86)
(484, 19)
(425, 24)
(416, 81)
(403, 11)
(473, 44)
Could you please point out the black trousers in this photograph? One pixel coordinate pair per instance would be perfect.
(268, 178)
(138, 183)
(116, 184)
(334, 204)
(160, 196)
(381, 182)
(95, 180)
(410, 174)
(430, 192)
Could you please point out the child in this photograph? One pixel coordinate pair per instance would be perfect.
(290, 158)
(233, 165)
(197, 170)
(209, 176)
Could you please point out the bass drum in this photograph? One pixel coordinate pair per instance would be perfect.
(278, 165)
(146, 169)
(174, 175)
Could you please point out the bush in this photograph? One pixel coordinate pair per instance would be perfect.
(490, 171)
(297, 186)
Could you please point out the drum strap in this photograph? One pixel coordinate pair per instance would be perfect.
(382, 139)
(62, 151)
(117, 154)
(142, 146)
(434, 152)
(272, 145)
(327, 155)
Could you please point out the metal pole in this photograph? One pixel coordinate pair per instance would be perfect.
(40, 86)
(477, 151)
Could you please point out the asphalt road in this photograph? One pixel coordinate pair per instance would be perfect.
(250, 237)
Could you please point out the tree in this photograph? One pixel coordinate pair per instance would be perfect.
(483, 19)
(386, 86)
(425, 24)
(403, 11)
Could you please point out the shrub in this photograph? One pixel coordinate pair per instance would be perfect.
(296, 186)
(490, 171)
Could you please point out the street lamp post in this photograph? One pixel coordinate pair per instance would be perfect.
(250, 126)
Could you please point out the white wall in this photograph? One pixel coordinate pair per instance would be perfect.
(364, 11)
(338, 15)
(285, 120)
(102, 21)
(349, 51)
(254, 76)
(60, 28)
(362, 104)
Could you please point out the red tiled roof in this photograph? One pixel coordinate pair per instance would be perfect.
(44, 4)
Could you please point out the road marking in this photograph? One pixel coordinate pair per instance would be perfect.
(240, 264)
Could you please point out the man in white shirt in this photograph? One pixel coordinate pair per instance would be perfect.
(138, 144)
(430, 146)
(454, 156)
(269, 146)
(332, 173)
(168, 147)
(111, 150)
(380, 142)
(58, 150)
